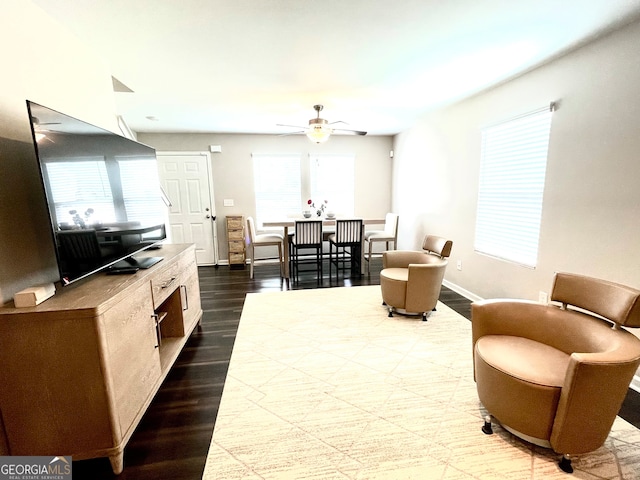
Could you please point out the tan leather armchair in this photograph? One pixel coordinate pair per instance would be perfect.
(411, 280)
(551, 374)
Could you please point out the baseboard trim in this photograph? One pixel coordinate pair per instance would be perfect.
(635, 383)
(459, 290)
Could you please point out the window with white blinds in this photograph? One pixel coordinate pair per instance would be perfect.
(80, 185)
(333, 179)
(114, 193)
(512, 177)
(276, 180)
(137, 193)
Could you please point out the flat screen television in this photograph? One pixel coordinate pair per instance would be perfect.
(103, 195)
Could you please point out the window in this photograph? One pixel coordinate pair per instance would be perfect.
(276, 180)
(512, 174)
(333, 179)
(83, 182)
(136, 194)
(111, 187)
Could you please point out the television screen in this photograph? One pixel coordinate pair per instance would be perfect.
(103, 194)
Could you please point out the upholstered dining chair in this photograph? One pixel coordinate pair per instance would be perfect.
(556, 375)
(81, 247)
(411, 280)
(307, 236)
(388, 235)
(347, 241)
(263, 240)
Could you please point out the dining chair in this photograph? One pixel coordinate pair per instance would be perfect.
(307, 236)
(80, 248)
(388, 235)
(263, 240)
(348, 243)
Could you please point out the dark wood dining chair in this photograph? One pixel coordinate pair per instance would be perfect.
(348, 246)
(307, 236)
(80, 249)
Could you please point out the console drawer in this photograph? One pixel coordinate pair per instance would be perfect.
(164, 282)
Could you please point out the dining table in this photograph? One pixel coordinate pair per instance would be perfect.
(326, 222)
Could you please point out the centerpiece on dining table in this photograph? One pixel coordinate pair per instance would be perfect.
(318, 210)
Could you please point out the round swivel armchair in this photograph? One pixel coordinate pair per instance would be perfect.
(411, 280)
(556, 375)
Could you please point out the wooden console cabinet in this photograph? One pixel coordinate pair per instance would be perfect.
(78, 371)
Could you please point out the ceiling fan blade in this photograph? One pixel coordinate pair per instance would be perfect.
(36, 121)
(291, 133)
(348, 132)
(290, 126)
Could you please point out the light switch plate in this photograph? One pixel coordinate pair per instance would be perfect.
(228, 202)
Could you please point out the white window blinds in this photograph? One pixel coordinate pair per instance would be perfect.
(80, 185)
(512, 176)
(140, 182)
(333, 179)
(276, 180)
(114, 194)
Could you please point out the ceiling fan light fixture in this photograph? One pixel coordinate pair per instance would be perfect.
(319, 130)
(318, 133)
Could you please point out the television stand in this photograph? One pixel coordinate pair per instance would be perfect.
(98, 352)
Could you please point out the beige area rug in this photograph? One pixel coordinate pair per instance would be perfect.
(323, 385)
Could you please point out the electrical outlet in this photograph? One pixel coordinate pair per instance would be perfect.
(459, 265)
(543, 298)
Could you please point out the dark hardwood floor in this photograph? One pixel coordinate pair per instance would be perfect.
(173, 438)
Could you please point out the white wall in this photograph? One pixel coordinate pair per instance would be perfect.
(592, 196)
(42, 62)
(233, 171)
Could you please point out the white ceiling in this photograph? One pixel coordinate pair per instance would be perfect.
(246, 65)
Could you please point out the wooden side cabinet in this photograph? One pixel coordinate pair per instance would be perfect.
(79, 370)
(235, 240)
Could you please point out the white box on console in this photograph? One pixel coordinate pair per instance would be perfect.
(32, 296)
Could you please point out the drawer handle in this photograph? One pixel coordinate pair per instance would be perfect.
(185, 304)
(156, 325)
(168, 282)
(157, 320)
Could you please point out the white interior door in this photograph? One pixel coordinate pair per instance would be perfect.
(187, 181)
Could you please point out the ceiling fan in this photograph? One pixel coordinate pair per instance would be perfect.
(39, 131)
(319, 130)
(36, 121)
